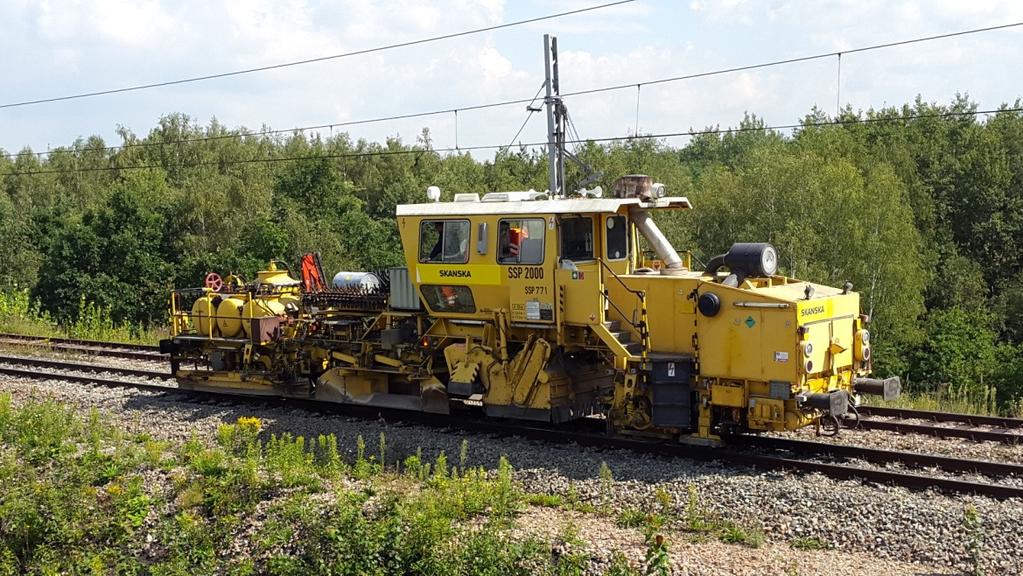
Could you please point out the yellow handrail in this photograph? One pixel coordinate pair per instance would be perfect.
(643, 325)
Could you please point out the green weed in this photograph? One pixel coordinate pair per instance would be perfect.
(974, 539)
(736, 534)
(545, 500)
(631, 518)
(606, 486)
(620, 566)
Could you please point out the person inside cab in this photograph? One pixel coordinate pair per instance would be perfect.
(444, 241)
(521, 241)
(512, 236)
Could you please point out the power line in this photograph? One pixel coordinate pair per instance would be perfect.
(312, 60)
(824, 124)
(630, 85)
(256, 133)
(689, 133)
(529, 114)
(796, 59)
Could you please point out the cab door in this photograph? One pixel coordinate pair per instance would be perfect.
(524, 251)
(578, 269)
(615, 242)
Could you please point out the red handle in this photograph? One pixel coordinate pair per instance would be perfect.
(214, 282)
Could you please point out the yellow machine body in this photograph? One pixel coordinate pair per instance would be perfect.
(547, 309)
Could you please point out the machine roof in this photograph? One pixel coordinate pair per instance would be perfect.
(563, 206)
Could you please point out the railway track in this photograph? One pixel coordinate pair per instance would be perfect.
(83, 347)
(82, 373)
(766, 453)
(939, 424)
(898, 420)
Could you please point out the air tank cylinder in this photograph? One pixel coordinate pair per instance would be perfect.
(229, 316)
(259, 308)
(202, 313)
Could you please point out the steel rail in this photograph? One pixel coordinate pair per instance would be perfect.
(82, 367)
(79, 342)
(560, 435)
(880, 456)
(768, 461)
(977, 435)
(910, 414)
(84, 379)
(87, 348)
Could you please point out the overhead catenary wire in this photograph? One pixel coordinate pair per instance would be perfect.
(795, 60)
(637, 85)
(529, 114)
(278, 131)
(311, 60)
(411, 151)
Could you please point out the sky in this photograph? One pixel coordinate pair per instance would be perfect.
(52, 48)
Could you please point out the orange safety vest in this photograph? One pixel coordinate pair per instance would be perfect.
(515, 238)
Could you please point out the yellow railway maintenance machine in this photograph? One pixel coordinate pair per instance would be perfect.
(542, 309)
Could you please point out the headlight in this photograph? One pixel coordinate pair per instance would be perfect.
(862, 348)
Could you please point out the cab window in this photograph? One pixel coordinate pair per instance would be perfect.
(617, 238)
(520, 241)
(577, 238)
(457, 299)
(444, 241)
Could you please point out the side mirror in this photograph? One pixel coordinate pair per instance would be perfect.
(481, 238)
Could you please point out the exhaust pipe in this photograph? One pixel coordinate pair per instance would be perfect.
(889, 388)
(655, 237)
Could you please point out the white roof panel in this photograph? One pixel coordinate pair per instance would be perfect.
(563, 206)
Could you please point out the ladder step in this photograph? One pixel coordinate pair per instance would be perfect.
(613, 325)
(634, 348)
(623, 337)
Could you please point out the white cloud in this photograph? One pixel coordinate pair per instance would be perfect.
(51, 49)
(122, 22)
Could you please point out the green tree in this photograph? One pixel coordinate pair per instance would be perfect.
(118, 257)
(960, 350)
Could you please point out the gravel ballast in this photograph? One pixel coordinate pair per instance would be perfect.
(871, 529)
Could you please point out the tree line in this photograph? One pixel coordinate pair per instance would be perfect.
(919, 206)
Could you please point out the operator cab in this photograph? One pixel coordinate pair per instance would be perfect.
(524, 252)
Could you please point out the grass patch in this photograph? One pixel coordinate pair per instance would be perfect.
(20, 315)
(81, 497)
(735, 534)
(941, 401)
(631, 518)
(545, 500)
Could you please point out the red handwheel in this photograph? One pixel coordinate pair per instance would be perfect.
(214, 282)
